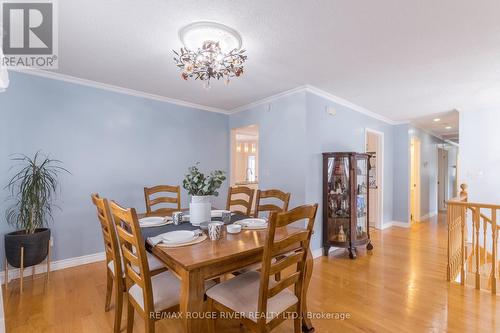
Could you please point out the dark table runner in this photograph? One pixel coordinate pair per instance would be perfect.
(155, 231)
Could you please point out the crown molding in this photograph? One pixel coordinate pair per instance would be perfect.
(116, 89)
(321, 93)
(269, 99)
(121, 90)
(350, 105)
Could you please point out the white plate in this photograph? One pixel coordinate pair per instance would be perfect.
(178, 237)
(152, 221)
(253, 223)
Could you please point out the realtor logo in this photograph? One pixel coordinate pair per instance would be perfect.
(29, 34)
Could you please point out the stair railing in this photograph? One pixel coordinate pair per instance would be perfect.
(457, 238)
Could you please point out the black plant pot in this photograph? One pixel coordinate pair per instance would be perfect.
(36, 247)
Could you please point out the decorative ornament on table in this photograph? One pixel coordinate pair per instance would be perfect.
(202, 188)
(211, 51)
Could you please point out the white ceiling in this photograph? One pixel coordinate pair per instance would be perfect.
(400, 59)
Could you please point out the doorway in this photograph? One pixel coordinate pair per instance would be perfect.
(374, 145)
(414, 180)
(245, 157)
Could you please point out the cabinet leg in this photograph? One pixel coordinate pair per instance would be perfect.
(369, 246)
(352, 253)
(326, 249)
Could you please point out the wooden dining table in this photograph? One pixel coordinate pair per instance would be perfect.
(194, 264)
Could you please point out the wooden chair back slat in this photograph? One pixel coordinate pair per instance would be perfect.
(134, 252)
(284, 283)
(271, 194)
(111, 245)
(163, 199)
(287, 261)
(239, 202)
(297, 243)
(132, 274)
(289, 241)
(246, 202)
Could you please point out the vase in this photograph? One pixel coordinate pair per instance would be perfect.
(200, 209)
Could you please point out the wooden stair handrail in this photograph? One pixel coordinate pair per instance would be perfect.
(457, 234)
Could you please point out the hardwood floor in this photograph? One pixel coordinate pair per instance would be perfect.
(400, 287)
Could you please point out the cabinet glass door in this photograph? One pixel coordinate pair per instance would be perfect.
(361, 197)
(338, 189)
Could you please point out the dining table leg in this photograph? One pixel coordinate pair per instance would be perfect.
(307, 326)
(192, 301)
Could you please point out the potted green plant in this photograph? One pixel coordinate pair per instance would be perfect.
(33, 190)
(201, 188)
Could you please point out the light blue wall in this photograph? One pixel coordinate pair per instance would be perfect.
(428, 170)
(282, 144)
(115, 144)
(480, 154)
(401, 175)
(112, 143)
(343, 132)
(292, 135)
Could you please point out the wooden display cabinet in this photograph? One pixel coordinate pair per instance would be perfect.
(345, 201)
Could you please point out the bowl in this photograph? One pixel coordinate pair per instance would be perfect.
(233, 228)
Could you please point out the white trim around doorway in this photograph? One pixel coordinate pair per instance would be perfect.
(380, 173)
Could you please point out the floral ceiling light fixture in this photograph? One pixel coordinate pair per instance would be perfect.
(211, 51)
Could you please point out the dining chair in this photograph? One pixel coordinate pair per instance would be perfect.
(264, 310)
(274, 195)
(114, 272)
(149, 295)
(240, 196)
(114, 261)
(162, 198)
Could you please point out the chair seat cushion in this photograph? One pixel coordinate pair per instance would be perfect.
(153, 262)
(166, 291)
(241, 294)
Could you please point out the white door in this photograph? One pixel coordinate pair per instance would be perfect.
(414, 180)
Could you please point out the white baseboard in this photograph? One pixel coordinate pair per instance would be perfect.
(55, 265)
(317, 253)
(396, 224)
(428, 216)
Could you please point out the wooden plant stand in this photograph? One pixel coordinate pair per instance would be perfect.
(21, 270)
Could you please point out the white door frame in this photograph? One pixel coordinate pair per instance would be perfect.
(380, 174)
(443, 178)
(415, 161)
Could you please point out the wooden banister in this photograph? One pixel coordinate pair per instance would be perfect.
(457, 239)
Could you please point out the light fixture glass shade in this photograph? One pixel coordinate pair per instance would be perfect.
(246, 148)
(195, 34)
(253, 147)
(238, 147)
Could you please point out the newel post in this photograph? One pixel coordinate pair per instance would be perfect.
(463, 193)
